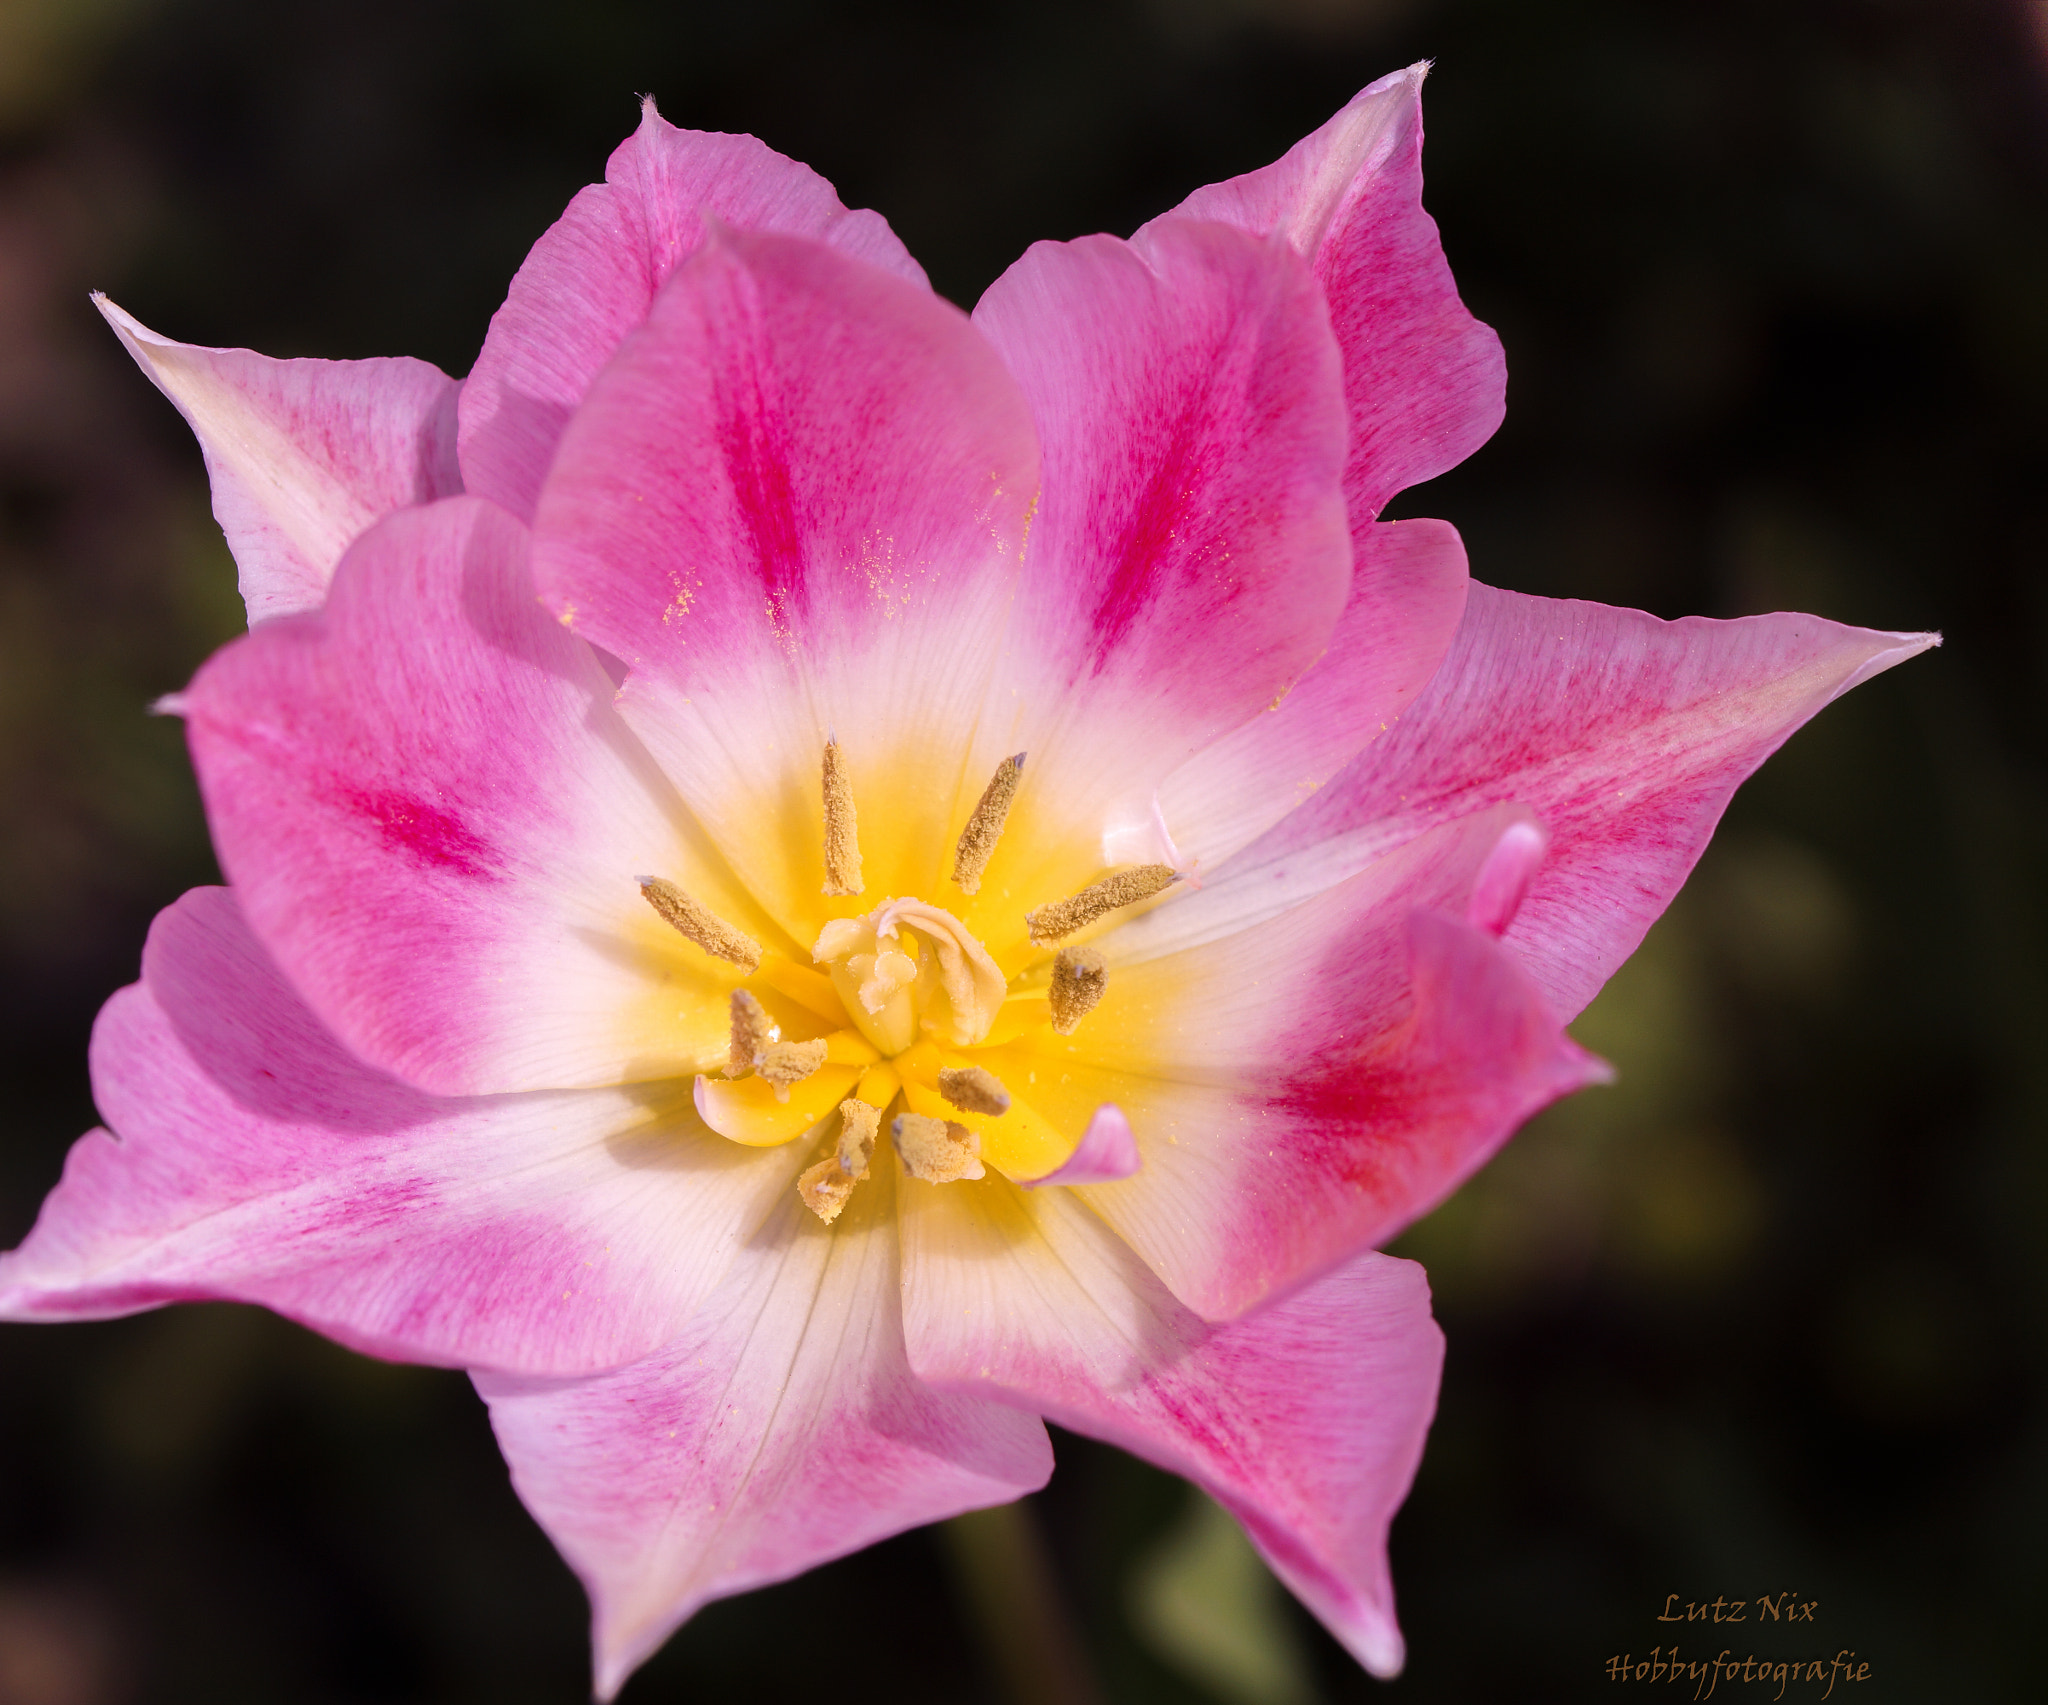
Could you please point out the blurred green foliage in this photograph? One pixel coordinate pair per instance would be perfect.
(1773, 281)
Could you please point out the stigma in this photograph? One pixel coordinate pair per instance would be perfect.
(882, 1023)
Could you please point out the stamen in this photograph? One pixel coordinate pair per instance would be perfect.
(752, 1031)
(985, 827)
(842, 829)
(706, 928)
(859, 1126)
(1126, 888)
(974, 1089)
(1079, 977)
(786, 1063)
(826, 1187)
(936, 1150)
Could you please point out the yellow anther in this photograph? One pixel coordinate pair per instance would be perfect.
(701, 925)
(786, 1063)
(826, 1187)
(1126, 888)
(859, 1126)
(1079, 976)
(985, 827)
(752, 1032)
(842, 828)
(974, 1089)
(939, 1151)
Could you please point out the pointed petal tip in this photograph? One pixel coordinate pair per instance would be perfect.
(169, 704)
(1383, 1653)
(1587, 1070)
(1886, 650)
(131, 331)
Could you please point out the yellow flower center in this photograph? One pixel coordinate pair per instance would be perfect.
(885, 1023)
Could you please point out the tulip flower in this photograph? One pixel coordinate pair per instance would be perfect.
(815, 879)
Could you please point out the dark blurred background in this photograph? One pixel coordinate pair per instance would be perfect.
(1773, 281)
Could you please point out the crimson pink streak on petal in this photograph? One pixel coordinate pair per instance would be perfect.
(594, 275)
(432, 818)
(780, 1429)
(1426, 383)
(257, 1161)
(1305, 1420)
(1192, 553)
(1407, 595)
(1332, 1070)
(1626, 735)
(303, 455)
(795, 504)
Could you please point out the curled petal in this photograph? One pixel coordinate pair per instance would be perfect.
(252, 1158)
(780, 1429)
(594, 275)
(1505, 877)
(1107, 1151)
(303, 455)
(1306, 1419)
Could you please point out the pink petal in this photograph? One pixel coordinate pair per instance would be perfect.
(258, 1161)
(1626, 735)
(781, 1429)
(1305, 1419)
(1426, 383)
(1407, 595)
(595, 273)
(1107, 1151)
(303, 455)
(1304, 1084)
(434, 820)
(795, 506)
(1192, 553)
